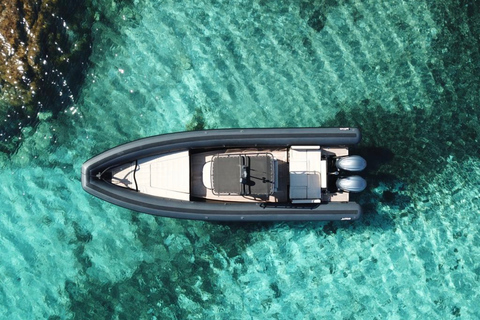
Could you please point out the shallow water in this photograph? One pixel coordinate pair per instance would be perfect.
(406, 72)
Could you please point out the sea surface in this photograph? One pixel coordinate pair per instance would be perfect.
(405, 71)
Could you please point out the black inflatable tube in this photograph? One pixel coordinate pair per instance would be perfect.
(219, 211)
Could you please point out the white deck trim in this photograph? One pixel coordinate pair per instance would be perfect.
(305, 147)
(307, 201)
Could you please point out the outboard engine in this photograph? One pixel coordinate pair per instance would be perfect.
(351, 163)
(351, 184)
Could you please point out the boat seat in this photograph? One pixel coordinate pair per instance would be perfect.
(306, 173)
(243, 174)
(207, 175)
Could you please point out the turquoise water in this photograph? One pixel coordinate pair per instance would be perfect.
(406, 72)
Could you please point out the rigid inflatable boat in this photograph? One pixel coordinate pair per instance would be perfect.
(277, 174)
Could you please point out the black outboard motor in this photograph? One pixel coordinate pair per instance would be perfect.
(351, 163)
(351, 184)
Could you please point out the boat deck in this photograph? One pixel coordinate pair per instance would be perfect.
(182, 176)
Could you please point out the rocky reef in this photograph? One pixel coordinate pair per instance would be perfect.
(44, 48)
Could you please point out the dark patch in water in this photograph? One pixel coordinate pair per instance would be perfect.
(157, 284)
(456, 311)
(388, 196)
(276, 290)
(317, 20)
(173, 272)
(330, 228)
(197, 122)
(82, 237)
(315, 12)
(82, 234)
(407, 145)
(375, 156)
(307, 43)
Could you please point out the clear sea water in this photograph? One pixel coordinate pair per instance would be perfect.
(406, 72)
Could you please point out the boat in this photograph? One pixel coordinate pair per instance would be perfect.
(263, 174)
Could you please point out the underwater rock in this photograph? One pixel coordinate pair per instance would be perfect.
(43, 45)
(197, 122)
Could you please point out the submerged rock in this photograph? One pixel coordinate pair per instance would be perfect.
(44, 45)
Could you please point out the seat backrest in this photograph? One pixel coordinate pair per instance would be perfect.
(207, 174)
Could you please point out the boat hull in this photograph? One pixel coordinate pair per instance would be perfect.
(217, 210)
